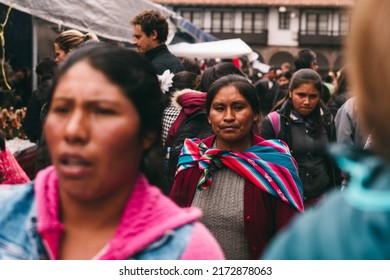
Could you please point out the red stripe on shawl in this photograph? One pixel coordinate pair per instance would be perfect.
(281, 171)
(288, 181)
(283, 147)
(252, 178)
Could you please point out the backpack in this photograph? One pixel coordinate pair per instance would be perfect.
(275, 121)
(195, 125)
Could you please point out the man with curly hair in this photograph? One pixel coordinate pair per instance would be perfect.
(150, 32)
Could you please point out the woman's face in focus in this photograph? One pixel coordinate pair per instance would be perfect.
(60, 53)
(231, 117)
(305, 98)
(93, 133)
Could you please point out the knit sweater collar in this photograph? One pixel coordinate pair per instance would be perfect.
(147, 216)
(151, 54)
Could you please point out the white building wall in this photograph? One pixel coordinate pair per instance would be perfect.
(278, 37)
(294, 25)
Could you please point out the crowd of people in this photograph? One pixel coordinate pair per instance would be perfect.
(143, 155)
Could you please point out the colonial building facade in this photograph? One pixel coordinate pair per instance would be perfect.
(275, 29)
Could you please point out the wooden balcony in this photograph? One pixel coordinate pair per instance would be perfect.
(249, 38)
(327, 39)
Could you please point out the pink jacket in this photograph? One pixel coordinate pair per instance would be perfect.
(147, 217)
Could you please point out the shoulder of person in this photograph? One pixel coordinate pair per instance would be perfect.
(17, 205)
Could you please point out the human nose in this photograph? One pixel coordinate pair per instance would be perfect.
(229, 115)
(76, 129)
(306, 100)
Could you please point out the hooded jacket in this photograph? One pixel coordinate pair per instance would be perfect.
(349, 225)
(191, 122)
(188, 102)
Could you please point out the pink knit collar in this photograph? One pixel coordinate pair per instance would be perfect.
(147, 216)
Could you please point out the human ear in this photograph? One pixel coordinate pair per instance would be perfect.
(148, 140)
(154, 35)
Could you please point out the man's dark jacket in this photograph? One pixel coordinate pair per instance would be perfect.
(162, 59)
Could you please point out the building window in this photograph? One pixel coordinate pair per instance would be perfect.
(284, 20)
(227, 23)
(317, 24)
(216, 22)
(195, 17)
(253, 22)
(344, 24)
(323, 24)
(221, 22)
(311, 24)
(247, 23)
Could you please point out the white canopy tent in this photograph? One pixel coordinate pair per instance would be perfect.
(262, 67)
(107, 19)
(229, 48)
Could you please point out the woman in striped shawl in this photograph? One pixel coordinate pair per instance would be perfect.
(247, 188)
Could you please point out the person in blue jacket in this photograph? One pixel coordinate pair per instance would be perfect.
(355, 223)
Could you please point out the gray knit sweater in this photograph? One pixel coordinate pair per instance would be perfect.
(223, 209)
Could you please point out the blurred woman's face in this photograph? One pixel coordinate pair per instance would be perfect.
(232, 118)
(60, 53)
(305, 98)
(283, 81)
(93, 134)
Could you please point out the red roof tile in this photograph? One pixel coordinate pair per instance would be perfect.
(300, 3)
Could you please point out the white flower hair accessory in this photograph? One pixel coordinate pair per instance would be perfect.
(166, 80)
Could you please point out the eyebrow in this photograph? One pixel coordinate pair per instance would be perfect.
(308, 94)
(234, 102)
(67, 99)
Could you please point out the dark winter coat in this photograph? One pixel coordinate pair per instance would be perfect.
(162, 59)
(317, 176)
(32, 123)
(266, 94)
